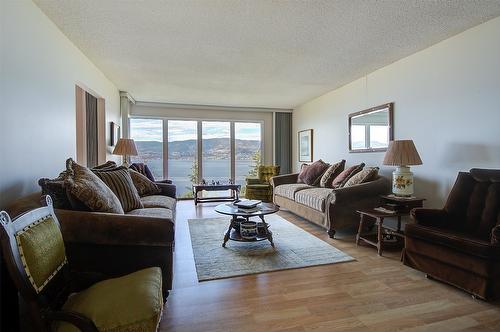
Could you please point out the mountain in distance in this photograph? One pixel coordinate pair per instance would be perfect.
(213, 148)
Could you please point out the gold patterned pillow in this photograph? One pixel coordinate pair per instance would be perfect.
(90, 190)
(144, 186)
(363, 176)
(331, 173)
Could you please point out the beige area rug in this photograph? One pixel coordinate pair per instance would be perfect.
(294, 248)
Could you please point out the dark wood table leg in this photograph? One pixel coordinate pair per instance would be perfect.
(228, 233)
(269, 234)
(360, 228)
(195, 194)
(380, 221)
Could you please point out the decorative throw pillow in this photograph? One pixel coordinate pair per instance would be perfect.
(312, 173)
(106, 166)
(144, 186)
(120, 182)
(90, 190)
(363, 176)
(346, 174)
(331, 173)
(303, 168)
(56, 189)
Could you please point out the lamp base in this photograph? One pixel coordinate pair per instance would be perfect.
(402, 181)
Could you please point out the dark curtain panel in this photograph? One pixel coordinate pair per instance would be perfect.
(91, 112)
(283, 141)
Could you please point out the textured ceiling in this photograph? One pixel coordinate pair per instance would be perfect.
(259, 53)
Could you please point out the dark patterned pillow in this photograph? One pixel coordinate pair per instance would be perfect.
(144, 186)
(363, 176)
(119, 181)
(331, 173)
(90, 190)
(312, 173)
(342, 178)
(106, 166)
(56, 189)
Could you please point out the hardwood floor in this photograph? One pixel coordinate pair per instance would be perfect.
(371, 294)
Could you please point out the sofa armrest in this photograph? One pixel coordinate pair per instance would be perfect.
(284, 179)
(430, 217)
(377, 187)
(164, 181)
(167, 189)
(115, 229)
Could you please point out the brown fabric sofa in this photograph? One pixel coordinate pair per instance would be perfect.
(458, 244)
(329, 208)
(110, 245)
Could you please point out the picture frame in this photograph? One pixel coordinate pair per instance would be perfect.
(115, 133)
(305, 145)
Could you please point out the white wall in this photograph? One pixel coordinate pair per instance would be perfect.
(39, 70)
(447, 99)
(210, 114)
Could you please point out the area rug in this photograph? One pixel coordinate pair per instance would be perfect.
(294, 248)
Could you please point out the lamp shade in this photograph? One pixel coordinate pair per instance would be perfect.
(402, 153)
(125, 147)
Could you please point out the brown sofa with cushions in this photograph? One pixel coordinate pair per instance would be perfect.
(459, 244)
(109, 245)
(329, 208)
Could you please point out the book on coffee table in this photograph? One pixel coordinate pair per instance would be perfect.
(247, 204)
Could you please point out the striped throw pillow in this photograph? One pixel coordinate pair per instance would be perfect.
(120, 182)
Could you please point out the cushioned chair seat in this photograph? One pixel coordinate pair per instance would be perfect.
(158, 201)
(289, 190)
(153, 212)
(455, 240)
(130, 303)
(314, 198)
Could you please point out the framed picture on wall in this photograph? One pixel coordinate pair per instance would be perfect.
(305, 145)
(115, 133)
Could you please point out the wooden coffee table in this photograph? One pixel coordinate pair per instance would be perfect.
(239, 215)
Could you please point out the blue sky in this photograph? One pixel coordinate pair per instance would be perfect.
(151, 130)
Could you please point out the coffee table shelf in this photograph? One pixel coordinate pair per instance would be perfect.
(236, 236)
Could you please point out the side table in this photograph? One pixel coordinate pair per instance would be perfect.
(394, 207)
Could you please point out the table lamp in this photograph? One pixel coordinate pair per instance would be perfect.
(402, 153)
(125, 147)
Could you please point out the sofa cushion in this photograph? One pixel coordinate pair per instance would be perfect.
(143, 185)
(289, 190)
(311, 174)
(158, 201)
(153, 212)
(331, 173)
(363, 176)
(314, 198)
(120, 182)
(452, 239)
(133, 302)
(342, 178)
(90, 190)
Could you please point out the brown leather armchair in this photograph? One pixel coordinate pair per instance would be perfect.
(459, 244)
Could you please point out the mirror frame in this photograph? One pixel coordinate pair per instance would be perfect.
(389, 106)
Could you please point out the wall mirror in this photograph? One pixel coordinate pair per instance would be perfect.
(371, 130)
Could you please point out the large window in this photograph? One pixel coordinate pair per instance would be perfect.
(247, 146)
(182, 155)
(229, 150)
(148, 137)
